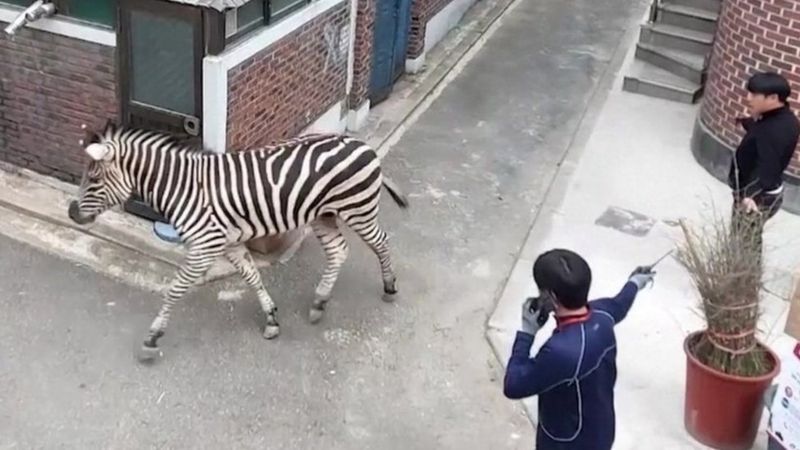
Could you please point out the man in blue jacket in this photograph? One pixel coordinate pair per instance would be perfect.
(575, 370)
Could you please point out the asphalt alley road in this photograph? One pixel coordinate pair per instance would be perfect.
(417, 374)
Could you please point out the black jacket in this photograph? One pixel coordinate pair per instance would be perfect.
(764, 153)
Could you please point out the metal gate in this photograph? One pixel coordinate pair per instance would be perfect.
(392, 22)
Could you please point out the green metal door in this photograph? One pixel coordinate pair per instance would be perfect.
(161, 49)
(161, 80)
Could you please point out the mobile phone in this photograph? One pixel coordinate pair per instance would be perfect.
(542, 303)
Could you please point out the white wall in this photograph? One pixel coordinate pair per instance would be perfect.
(331, 121)
(437, 28)
(444, 21)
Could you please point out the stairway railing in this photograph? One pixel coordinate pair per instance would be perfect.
(654, 6)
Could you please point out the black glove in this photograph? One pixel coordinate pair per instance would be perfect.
(535, 313)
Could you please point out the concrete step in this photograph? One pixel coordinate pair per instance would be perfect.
(708, 5)
(647, 79)
(684, 64)
(676, 38)
(118, 244)
(687, 17)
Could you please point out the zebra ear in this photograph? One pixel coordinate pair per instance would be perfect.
(110, 128)
(97, 152)
(89, 136)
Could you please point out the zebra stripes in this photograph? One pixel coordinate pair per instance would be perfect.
(217, 202)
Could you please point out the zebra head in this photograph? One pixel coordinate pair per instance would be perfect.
(104, 184)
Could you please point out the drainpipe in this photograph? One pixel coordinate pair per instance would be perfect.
(32, 13)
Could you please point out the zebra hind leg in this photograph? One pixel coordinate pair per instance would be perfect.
(336, 250)
(198, 261)
(242, 259)
(368, 228)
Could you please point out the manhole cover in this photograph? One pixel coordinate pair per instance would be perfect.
(626, 221)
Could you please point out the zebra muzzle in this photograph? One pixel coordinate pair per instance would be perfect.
(74, 213)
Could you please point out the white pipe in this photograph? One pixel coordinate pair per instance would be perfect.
(32, 13)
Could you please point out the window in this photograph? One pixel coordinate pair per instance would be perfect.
(250, 15)
(162, 62)
(257, 13)
(24, 3)
(246, 18)
(281, 8)
(100, 12)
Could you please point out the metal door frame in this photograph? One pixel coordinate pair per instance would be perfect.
(128, 107)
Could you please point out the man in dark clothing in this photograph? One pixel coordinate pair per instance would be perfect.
(575, 370)
(771, 134)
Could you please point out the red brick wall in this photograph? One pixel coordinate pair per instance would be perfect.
(751, 36)
(49, 86)
(285, 87)
(362, 53)
(421, 12)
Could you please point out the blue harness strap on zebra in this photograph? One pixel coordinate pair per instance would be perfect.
(166, 232)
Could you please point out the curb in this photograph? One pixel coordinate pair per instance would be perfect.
(121, 246)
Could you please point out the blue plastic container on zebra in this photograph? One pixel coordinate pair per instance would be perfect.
(218, 202)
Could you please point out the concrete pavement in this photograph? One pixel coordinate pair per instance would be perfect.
(636, 159)
(414, 374)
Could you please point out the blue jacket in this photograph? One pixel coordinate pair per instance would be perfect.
(574, 375)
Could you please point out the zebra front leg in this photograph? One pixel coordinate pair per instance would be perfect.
(336, 250)
(198, 261)
(241, 258)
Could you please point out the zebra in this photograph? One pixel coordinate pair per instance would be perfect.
(218, 202)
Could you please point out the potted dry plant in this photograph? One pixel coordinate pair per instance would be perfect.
(728, 367)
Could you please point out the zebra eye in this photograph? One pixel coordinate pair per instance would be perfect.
(94, 174)
(95, 177)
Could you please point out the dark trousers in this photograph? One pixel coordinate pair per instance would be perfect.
(750, 226)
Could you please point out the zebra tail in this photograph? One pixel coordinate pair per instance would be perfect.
(395, 192)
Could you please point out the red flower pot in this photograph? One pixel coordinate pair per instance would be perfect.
(723, 411)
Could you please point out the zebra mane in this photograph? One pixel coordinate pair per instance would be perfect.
(294, 141)
(116, 132)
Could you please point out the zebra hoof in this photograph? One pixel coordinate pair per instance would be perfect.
(315, 315)
(148, 354)
(271, 331)
(389, 297)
